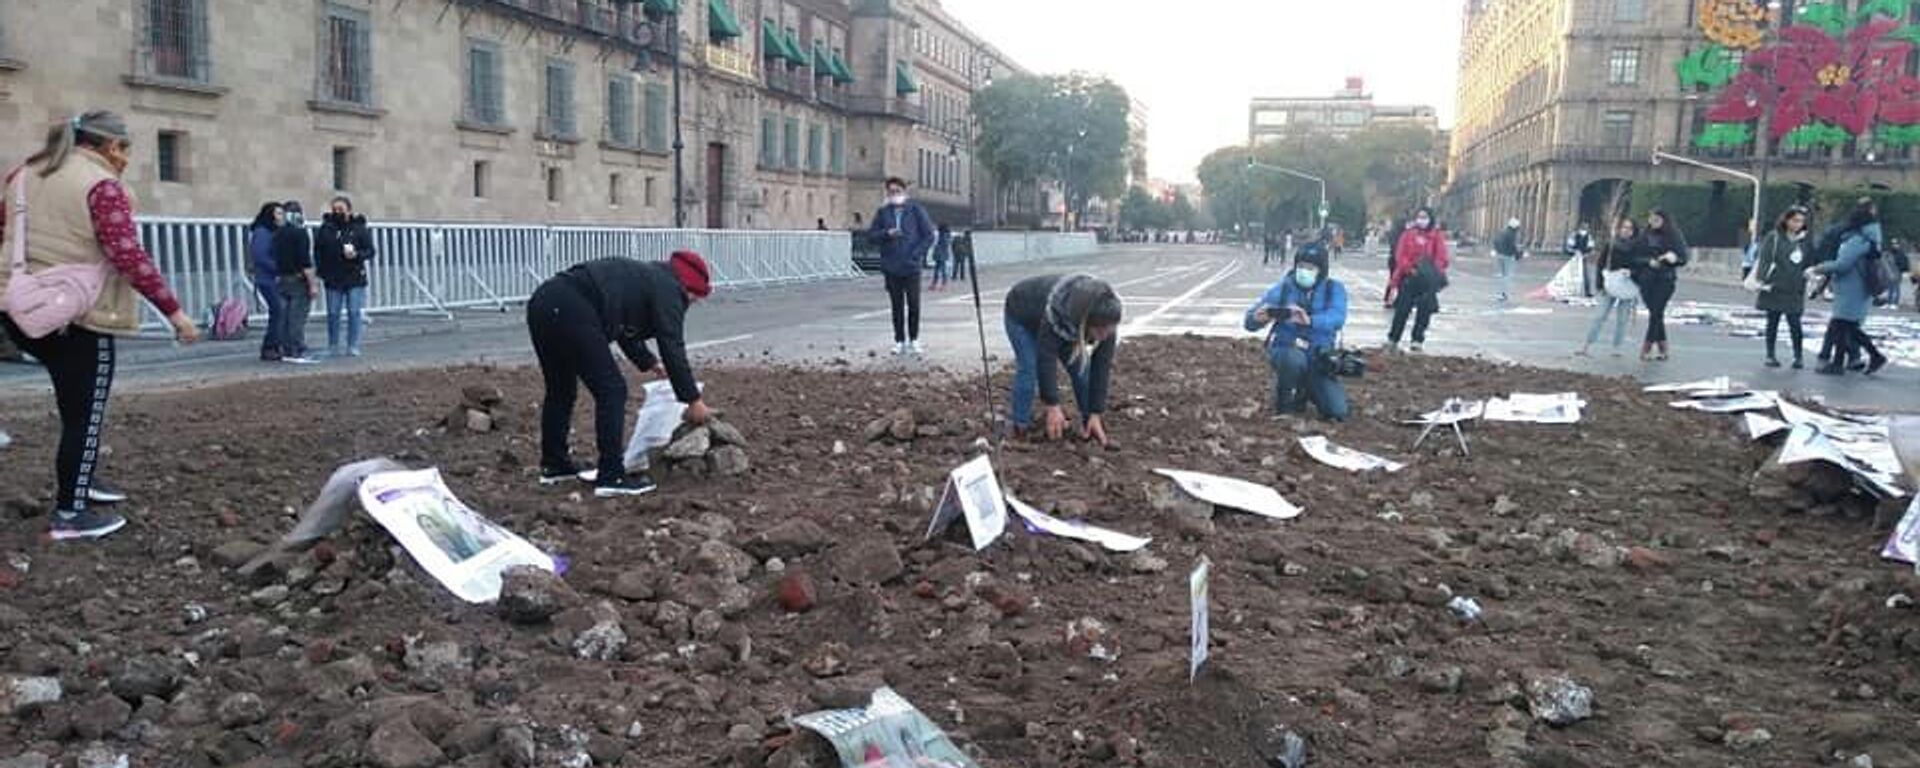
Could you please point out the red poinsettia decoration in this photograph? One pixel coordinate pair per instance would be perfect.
(1851, 82)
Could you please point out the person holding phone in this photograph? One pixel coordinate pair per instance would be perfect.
(1303, 315)
(1663, 251)
(341, 251)
(904, 232)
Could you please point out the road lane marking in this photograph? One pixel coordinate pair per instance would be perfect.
(1224, 273)
(718, 342)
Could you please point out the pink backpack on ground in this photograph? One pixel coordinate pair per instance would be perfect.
(228, 320)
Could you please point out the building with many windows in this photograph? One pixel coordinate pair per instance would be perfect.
(560, 111)
(1562, 103)
(1348, 111)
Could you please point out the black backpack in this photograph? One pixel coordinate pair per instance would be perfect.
(1878, 273)
(1827, 248)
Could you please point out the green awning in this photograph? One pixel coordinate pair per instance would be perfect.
(773, 41)
(822, 61)
(660, 7)
(903, 81)
(796, 54)
(721, 25)
(841, 73)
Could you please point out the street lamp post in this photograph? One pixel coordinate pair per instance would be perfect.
(1320, 212)
(1753, 224)
(679, 142)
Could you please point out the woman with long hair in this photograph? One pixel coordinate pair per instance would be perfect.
(1419, 274)
(1850, 300)
(1780, 270)
(1663, 251)
(1617, 297)
(261, 269)
(78, 214)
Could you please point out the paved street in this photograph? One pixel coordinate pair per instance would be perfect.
(1169, 290)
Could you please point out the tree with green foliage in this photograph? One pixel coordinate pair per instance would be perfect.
(1067, 127)
(1141, 210)
(1381, 171)
(1183, 213)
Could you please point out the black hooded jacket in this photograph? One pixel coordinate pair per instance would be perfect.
(330, 252)
(640, 300)
(1027, 307)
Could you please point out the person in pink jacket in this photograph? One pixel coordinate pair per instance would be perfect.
(1419, 274)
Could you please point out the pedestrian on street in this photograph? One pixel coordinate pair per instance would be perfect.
(1851, 304)
(66, 209)
(296, 282)
(1419, 274)
(962, 255)
(1780, 273)
(1619, 295)
(1902, 263)
(942, 253)
(342, 250)
(1305, 311)
(573, 317)
(1663, 251)
(1507, 254)
(1580, 246)
(261, 269)
(904, 232)
(1056, 320)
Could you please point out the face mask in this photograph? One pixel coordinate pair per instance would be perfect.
(897, 199)
(1422, 223)
(1306, 277)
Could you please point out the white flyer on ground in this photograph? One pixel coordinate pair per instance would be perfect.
(1751, 401)
(1721, 384)
(1324, 451)
(1197, 592)
(453, 543)
(1233, 494)
(1454, 411)
(888, 733)
(1561, 408)
(659, 415)
(1904, 545)
(973, 493)
(1761, 426)
(1112, 541)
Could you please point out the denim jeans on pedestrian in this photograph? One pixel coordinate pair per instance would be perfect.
(276, 316)
(1026, 374)
(352, 302)
(1504, 267)
(1622, 309)
(1297, 381)
(299, 305)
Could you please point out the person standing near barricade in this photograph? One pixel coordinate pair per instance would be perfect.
(1663, 251)
(341, 250)
(573, 317)
(1054, 321)
(261, 270)
(296, 282)
(67, 210)
(904, 232)
(1419, 274)
(1779, 275)
(1306, 311)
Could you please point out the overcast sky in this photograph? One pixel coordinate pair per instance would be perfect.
(1195, 63)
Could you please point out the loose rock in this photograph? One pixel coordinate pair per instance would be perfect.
(530, 595)
(23, 695)
(1558, 701)
(396, 744)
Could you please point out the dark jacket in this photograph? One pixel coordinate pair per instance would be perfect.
(260, 254)
(901, 255)
(1027, 308)
(1507, 243)
(1647, 268)
(330, 253)
(1781, 264)
(292, 251)
(636, 301)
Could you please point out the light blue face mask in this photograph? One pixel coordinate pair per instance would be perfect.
(1306, 277)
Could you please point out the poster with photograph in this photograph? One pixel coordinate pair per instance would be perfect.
(1520, 407)
(1904, 544)
(1198, 598)
(1454, 411)
(1720, 385)
(1041, 522)
(1742, 403)
(1326, 452)
(462, 550)
(888, 733)
(972, 493)
(1233, 494)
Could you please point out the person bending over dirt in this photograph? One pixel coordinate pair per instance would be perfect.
(1056, 319)
(573, 317)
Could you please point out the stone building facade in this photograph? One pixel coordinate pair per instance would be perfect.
(1348, 111)
(1562, 103)
(525, 111)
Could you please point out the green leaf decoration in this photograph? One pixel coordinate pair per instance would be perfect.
(1710, 67)
(1724, 136)
(1828, 16)
(1817, 135)
(1898, 135)
(1909, 33)
(1892, 9)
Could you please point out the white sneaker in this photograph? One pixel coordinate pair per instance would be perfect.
(900, 349)
(917, 349)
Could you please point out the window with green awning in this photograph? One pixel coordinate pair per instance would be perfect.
(721, 24)
(822, 61)
(660, 7)
(796, 54)
(903, 80)
(773, 41)
(842, 74)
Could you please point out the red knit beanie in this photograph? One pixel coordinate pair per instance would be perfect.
(693, 274)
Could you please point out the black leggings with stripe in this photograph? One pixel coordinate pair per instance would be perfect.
(80, 362)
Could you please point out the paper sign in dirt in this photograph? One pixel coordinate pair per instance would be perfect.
(1722, 384)
(974, 493)
(1112, 541)
(1751, 401)
(1864, 440)
(1324, 451)
(1761, 426)
(462, 550)
(1233, 494)
(1197, 592)
(659, 415)
(1454, 411)
(1904, 544)
(888, 733)
(1562, 408)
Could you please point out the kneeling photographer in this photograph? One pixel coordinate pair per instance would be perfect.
(1305, 311)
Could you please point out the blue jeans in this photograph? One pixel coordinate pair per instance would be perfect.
(1297, 381)
(352, 301)
(1026, 374)
(1624, 317)
(939, 271)
(276, 310)
(1504, 267)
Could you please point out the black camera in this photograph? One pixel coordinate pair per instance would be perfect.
(1345, 363)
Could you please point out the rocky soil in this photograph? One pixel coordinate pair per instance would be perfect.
(1647, 598)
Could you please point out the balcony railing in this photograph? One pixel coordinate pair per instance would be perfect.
(793, 82)
(1580, 153)
(730, 61)
(832, 96)
(887, 105)
(600, 18)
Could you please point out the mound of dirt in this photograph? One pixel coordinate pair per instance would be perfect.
(1628, 555)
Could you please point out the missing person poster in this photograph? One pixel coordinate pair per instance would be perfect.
(888, 733)
(973, 493)
(1197, 593)
(453, 543)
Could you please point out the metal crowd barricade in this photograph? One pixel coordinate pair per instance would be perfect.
(440, 268)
